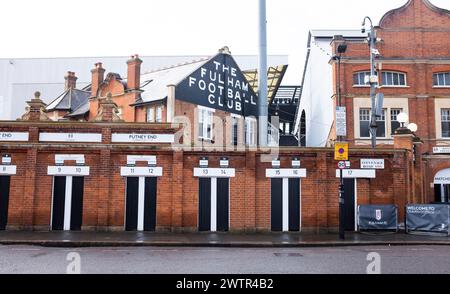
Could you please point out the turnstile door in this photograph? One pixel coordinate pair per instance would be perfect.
(150, 204)
(59, 217)
(76, 214)
(4, 200)
(349, 204)
(204, 203)
(294, 205)
(276, 211)
(148, 210)
(223, 195)
(132, 200)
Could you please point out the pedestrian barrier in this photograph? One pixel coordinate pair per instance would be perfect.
(377, 218)
(428, 218)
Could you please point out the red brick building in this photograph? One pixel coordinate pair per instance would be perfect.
(413, 70)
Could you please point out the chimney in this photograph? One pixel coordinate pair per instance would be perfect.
(134, 73)
(71, 80)
(98, 74)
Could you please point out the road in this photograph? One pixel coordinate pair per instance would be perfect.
(345, 260)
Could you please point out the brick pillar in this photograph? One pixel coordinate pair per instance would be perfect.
(177, 190)
(104, 183)
(29, 189)
(404, 174)
(108, 111)
(250, 191)
(35, 109)
(324, 199)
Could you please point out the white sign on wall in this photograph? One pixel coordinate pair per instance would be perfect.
(128, 171)
(341, 121)
(214, 172)
(14, 136)
(70, 137)
(286, 173)
(143, 138)
(150, 159)
(8, 170)
(372, 163)
(356, 173)
(441, 150)
(68, 171)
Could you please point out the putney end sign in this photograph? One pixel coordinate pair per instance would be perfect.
(219, 84)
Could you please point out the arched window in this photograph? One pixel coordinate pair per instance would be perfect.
(303, 129)
(393, 78)
(441, 79)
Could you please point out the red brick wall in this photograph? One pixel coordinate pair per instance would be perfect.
(177, 195)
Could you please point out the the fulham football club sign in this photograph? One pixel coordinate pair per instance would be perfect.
(219, 84)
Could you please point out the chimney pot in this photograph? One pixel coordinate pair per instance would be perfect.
(71, 80)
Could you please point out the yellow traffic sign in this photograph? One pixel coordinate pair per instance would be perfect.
(341, 151)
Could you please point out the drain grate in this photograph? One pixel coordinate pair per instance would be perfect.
(288, 254)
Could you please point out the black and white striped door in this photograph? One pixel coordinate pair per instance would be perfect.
(214, 199)
(285, 204)
(6, 171)
(141, 193)
(140, 205)
(68, 193)
(67, 207)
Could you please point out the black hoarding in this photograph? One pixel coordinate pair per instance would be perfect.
(428, 218)
(377, 217)
(219, 84)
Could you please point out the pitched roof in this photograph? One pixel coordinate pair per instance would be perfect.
(69, 100)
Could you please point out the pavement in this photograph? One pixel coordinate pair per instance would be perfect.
(22, 259)
(250, 240)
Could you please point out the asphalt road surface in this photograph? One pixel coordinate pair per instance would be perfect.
(344, 260)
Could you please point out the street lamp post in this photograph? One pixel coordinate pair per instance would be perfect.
(373, 79)
(341, 49)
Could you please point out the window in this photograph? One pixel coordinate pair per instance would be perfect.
(361, 78)
(364, 123)
(234, 130)
(150, 114)
(390, 78)
(250, 131)
(394, 123)
(445, 120)
(441, 79)
(205, 119)
(159, 114)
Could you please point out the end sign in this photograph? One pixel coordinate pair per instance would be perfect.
(341, 151)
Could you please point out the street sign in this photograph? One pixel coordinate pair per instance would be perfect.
(341, 151)
(341, 121)
(344, 164)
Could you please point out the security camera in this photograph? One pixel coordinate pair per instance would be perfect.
(376, 52)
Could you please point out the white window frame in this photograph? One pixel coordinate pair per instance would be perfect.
(394, 73)
(446, 82)
(250, 131)
(446, 120)
(205, 117)
(150, 114)
(361, 83)
(158, 114)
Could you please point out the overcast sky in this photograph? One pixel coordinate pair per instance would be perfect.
(57, 28)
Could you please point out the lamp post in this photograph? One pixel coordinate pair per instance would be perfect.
(373, 79)
(341, 49)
